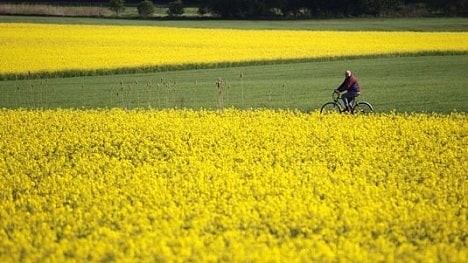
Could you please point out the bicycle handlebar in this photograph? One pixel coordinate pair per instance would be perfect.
(336, 96)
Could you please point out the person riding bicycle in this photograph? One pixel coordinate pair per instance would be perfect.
(352, 88)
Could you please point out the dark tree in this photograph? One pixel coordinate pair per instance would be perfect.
(175, 8)
(449, 7)
(146, 9)
(117, 6)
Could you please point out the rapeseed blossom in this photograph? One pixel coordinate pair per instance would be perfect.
(232, 185)
(37, 48)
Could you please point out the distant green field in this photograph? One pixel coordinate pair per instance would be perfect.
(354, 24)
(85, 10)
(428, 83)
(404, 84)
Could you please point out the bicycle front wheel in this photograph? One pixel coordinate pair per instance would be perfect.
(363, 108)
(330, 107)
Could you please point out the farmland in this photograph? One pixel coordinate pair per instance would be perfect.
(178, 185)
(117, 146)
(404, 84)
(161, 71)
(445, 24)
(77, 48)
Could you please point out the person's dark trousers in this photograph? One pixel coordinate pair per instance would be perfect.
(348, 98)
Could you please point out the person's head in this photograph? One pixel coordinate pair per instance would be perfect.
(347, 73)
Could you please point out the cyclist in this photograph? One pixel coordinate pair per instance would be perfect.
(352, 88)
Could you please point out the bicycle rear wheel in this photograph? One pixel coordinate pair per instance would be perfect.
(330, 107)
(363, 108)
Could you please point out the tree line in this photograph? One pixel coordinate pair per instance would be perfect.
(297, 8)
(329, 8)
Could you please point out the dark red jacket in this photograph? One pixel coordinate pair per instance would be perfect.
(350, 84)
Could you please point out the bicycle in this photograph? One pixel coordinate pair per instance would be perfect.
(357, 107)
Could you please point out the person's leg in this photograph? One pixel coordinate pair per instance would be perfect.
(352, 101)
(347, 98)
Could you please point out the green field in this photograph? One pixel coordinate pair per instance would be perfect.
(410, 83)
(455, 24)
(404, 84)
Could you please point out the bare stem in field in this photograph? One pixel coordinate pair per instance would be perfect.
(242, 89)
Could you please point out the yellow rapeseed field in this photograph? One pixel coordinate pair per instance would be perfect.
(232, 185)
(48, 47)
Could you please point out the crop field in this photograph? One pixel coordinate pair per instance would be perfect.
(143, 142)
(403, 84)
(76, 48)
(414, 24)
(179, 185)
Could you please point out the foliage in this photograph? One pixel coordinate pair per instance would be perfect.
(25, 51)
(291, 8)
(117, 6)
(175, 8)
(237, 186)
(301, 8)
(202, 10)
(337, 8)
(451, 7)
(146, 8)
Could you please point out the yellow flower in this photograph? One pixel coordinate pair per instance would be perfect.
(233, 185)
(47, 47)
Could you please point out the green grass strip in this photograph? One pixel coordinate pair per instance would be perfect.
(227, 64)
(416, 24)
(404, 84)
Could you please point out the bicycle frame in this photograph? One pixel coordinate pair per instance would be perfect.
(337, 105)
(337, 98)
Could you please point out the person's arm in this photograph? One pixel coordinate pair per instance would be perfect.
(344, 86)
